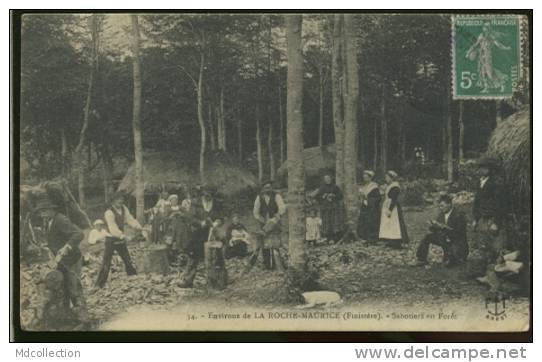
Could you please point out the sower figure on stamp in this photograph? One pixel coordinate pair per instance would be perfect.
(488, 211)
(268, 209)
(449, 231)
(116, 217)
(63, 239)
(206, 217)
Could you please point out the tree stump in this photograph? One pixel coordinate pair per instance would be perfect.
(155, 260)
(215, 265)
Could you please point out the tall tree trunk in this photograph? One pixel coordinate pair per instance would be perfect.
(270, 147)
(64, 153)
(222, 122)
(259, 150)
(375, 145)
(338, 113)
(240, 139)
(296, 170)
(281, 122)
(461, 133)
(498, 111)
(351, 124)
(79, 149)
(449, 138)
(201, 121)
(107, 172)
(136, 124)
(212, 136)
(321, 107)
(383, 132)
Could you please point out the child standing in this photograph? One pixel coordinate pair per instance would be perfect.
(313, 226)
(99, 233)
(238, 239)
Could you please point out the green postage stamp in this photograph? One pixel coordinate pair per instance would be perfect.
(486, 54)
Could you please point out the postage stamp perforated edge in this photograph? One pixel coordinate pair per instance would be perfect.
(521, 39)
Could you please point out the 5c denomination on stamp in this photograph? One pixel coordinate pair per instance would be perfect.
(486, 56)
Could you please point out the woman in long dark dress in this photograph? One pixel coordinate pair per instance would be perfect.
(369, 213)
(392, 224)
(330, 199)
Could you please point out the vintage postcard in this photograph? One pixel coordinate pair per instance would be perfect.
(272, 172)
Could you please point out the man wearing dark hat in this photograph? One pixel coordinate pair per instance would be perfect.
(268, 209)
(206, 218)
(116, 217)
(488, 211)
(63, 239)
(449, 231)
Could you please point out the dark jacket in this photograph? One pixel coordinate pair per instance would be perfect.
(458, 233)
(489, 202)
(61, 232)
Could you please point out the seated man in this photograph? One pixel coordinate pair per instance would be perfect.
(449, 231)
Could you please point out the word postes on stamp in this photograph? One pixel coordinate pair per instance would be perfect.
(486, 56)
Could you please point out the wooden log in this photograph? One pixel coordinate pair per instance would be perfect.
(155, 260)
(215, 265)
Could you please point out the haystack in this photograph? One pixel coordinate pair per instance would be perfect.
(510, 142)
(168, 171)
(316, 160)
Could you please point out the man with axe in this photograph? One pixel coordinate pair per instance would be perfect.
(63, 239)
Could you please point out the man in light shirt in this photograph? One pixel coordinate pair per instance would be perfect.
(116, 217)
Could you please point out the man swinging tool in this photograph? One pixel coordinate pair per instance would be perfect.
(63, 239)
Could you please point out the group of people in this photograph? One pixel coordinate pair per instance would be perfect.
(185, 228)
(380, 216)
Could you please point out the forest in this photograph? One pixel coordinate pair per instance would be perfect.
(171, 102)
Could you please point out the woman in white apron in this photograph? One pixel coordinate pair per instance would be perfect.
(392, 226)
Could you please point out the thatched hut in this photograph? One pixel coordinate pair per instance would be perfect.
(168, 171)
(317, 161)
(510, 143)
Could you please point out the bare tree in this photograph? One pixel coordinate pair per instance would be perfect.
(79, 149)
(136, 122)
(461, 132)
(338, 112)
(351, 99)
(296, 171)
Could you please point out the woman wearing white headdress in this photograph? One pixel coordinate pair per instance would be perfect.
(392, 225)
(369, 212)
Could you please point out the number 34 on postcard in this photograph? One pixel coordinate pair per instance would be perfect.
(486, 56)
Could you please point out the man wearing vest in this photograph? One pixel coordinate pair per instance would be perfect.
(63, 239)
(268, 209)
(116, 217)
(206, 216)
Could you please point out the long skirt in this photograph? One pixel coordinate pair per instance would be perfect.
(369, 222)
(332, 219)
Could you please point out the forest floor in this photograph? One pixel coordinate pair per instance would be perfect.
(360, 273)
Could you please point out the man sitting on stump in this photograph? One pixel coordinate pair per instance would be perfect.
(449, 231)
(116, 217)
(63, 239)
